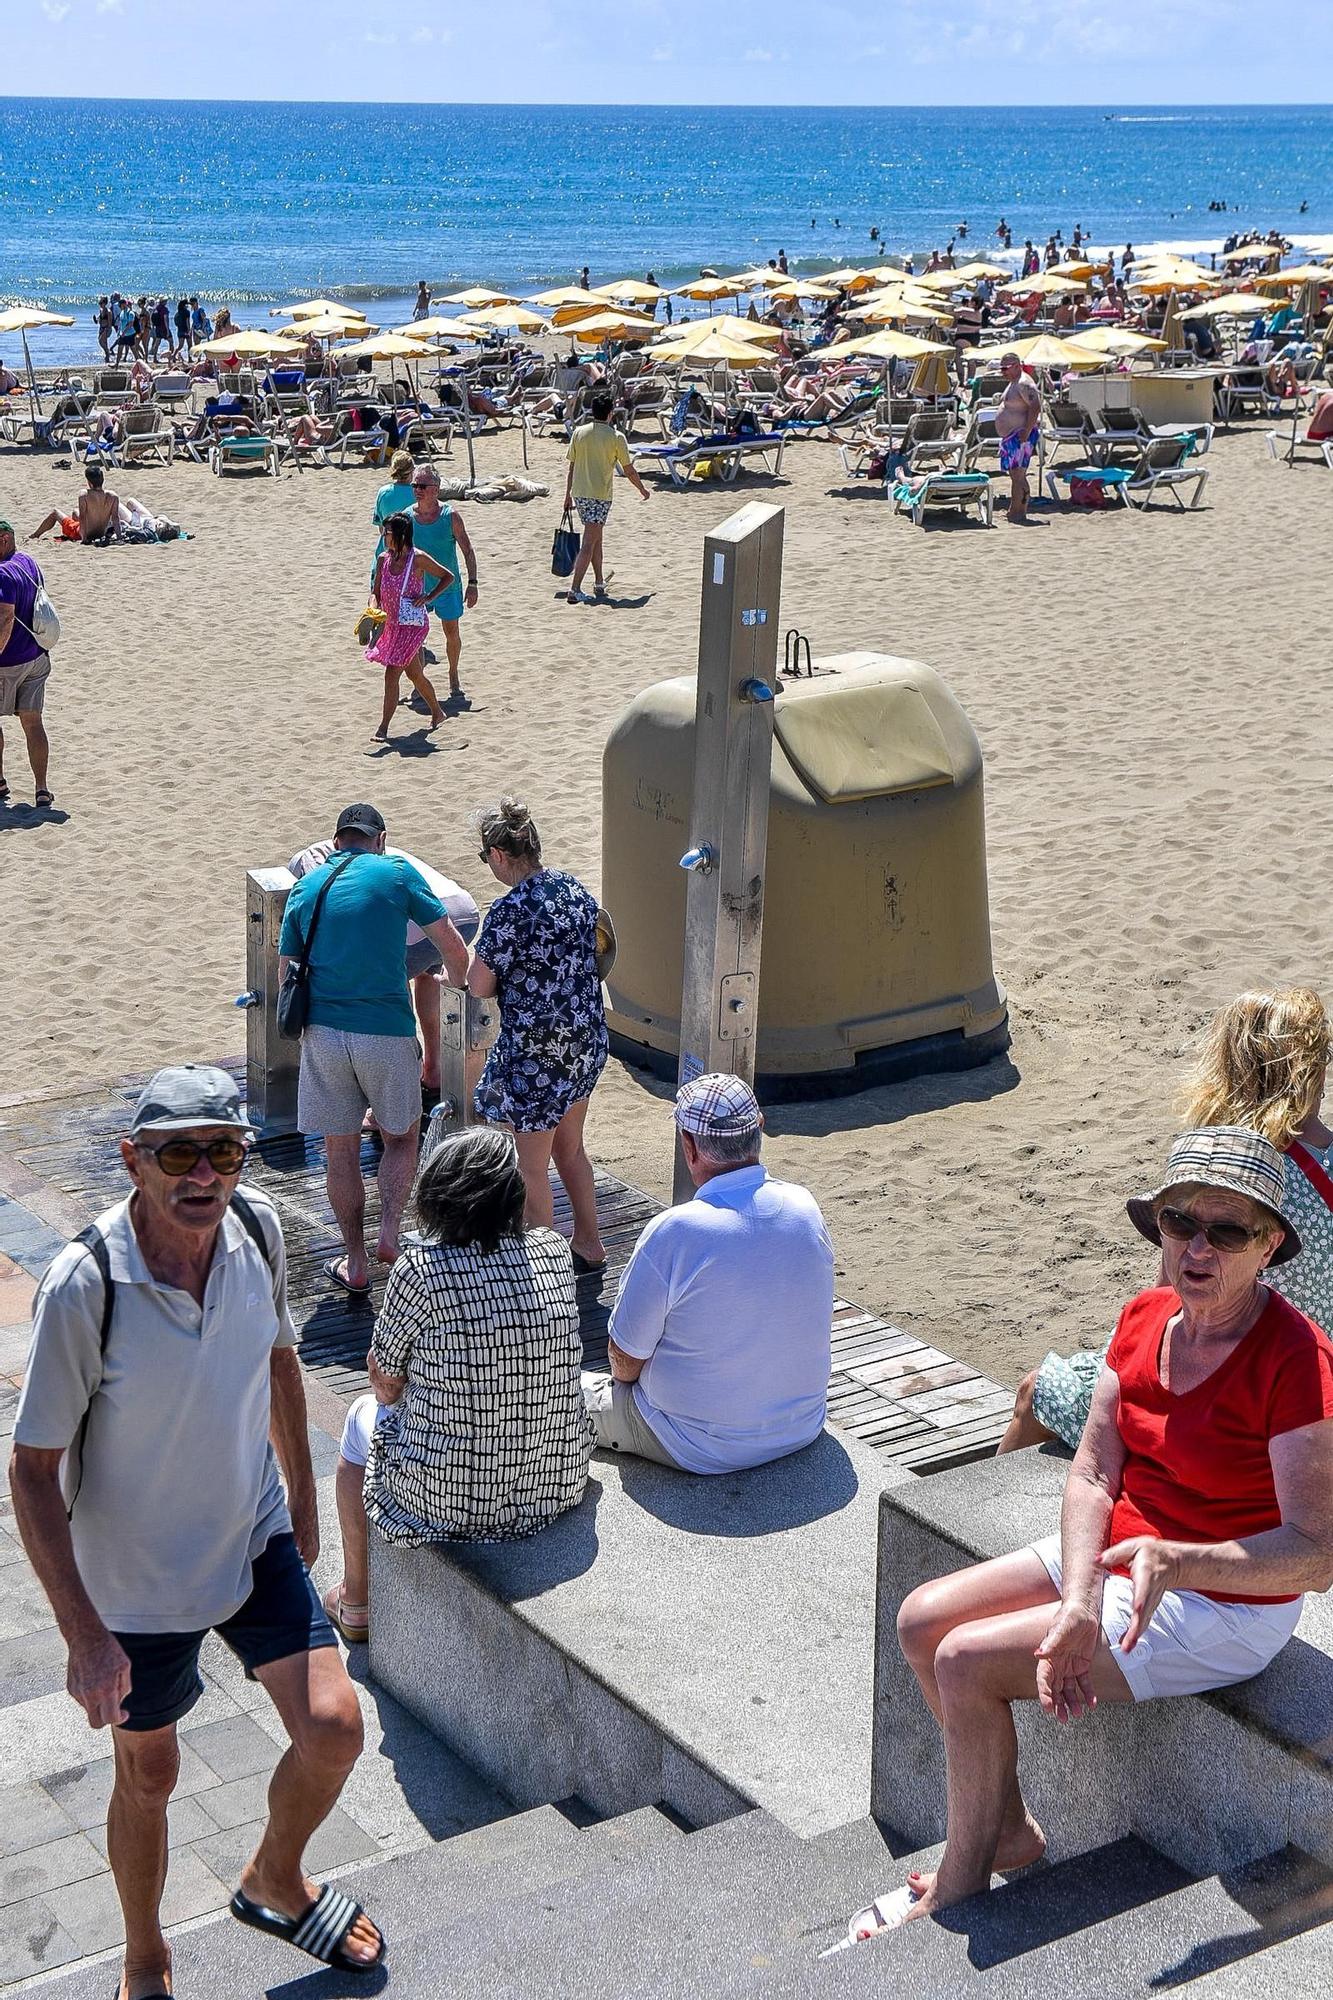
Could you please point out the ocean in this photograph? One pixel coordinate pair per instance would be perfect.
(260, 203)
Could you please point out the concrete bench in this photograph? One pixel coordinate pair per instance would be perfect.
(703, 1643)
(1213, 1780)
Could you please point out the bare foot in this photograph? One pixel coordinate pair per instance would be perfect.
(593, 1252)
(435, 722)
(380, 736)
(1020, 1847)
(138, 1982)
(363, 1942)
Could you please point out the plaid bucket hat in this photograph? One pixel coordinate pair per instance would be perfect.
(1223, 1156)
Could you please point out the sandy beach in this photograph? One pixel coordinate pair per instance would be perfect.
(1151, 692)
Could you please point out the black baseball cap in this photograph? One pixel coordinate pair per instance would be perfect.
(360, 819)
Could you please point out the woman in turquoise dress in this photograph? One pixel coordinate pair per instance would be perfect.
(1262, 1065)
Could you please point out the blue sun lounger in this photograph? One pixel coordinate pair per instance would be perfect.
(936, 491)
(679, 460)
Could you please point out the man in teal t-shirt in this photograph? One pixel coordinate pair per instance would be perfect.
(359, 1049)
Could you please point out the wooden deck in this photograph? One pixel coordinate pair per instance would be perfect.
(904, 1398)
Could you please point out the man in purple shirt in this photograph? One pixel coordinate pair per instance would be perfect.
(23, 665)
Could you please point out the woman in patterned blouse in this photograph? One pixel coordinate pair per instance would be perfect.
(1262, 1065)
(537, 951)
(475, 1430)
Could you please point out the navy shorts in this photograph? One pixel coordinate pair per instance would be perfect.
(281, 1616)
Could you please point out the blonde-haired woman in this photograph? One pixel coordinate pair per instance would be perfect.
(1262, 1064)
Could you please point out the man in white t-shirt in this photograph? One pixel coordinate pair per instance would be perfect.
(423, 958)
(721, 1334)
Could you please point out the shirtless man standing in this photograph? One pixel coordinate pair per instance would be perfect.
(96, 514)
(1017, 421)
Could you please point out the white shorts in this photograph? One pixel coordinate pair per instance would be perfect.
(359, 1428)
(1192, 1643)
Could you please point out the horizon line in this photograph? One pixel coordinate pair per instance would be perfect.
(678, 104)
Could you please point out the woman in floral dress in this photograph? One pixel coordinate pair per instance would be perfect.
(537, 951)
(406, 581)
(1262, 1065)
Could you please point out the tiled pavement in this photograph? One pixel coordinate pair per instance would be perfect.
(57, 1900)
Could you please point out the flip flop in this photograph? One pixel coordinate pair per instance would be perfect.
(319, 1933)
(887, 1913)
(337, 1277)
(583, 1269)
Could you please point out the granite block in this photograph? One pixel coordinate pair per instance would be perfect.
(187, 1822)
(83, 1791)
(32, 1940)
(29, 1817)
(333, 1845)
(34, 1871)
(233, 1748)
(90, 1910)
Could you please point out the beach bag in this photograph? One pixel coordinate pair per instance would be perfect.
(294, 992)
(368, 626)
(1086, 493)
(564, 547)
(45, 626)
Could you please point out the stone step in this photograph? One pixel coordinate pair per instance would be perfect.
(463, 1879)
(1121, 1919)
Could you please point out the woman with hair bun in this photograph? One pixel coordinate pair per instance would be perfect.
(537, 953)
(1261, 1065)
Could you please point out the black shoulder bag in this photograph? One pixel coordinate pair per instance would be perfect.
(294, 992)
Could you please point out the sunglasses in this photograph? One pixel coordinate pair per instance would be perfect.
(1182, 1227)
(179, 1156)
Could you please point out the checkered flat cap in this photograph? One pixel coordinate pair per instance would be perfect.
(716, 1107)
(1223, 1156)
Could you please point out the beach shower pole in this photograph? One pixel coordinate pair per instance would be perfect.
(733, 753)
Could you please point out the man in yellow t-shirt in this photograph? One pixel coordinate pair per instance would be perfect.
(595, 450)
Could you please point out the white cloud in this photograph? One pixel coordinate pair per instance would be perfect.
(759, 55)
(664, 54)
(380, 41)
(110, 6)
(55, 10)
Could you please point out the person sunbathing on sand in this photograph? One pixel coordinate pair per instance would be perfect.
(93, 517)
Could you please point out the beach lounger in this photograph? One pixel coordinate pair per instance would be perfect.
(940, 492)
(145, 434)
(1065, 423)
(1112, 479)
(174, 392)
(363, 447)
(113, 389)
(724, 455)
(1246, 393)
(1300, 447)
(1166, 464)
(244, 454)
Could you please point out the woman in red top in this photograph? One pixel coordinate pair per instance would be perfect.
(1198, 1508)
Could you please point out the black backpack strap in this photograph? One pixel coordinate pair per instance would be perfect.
(254, 1228)
(94, 1243)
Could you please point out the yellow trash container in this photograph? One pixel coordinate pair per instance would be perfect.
(876, 955)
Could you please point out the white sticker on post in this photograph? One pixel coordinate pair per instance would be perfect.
(719, 568)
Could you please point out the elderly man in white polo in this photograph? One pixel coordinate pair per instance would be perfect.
(163, 1359)
(721, 1333)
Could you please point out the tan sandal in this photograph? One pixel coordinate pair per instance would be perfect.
(355, 1630)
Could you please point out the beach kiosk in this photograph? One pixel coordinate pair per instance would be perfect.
(876, 928)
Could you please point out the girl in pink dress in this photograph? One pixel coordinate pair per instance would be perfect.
(406, 581)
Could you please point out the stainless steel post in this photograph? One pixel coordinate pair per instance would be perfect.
(272, 1064)
(733, 754)
(467, 1027)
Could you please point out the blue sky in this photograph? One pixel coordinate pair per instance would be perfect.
(666, 51)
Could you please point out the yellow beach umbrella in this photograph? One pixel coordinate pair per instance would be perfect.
(476, 296)
(610, 325)
(1120, 340)
(313, 308)
(885, 311)
(567, 295)
(331, 326)
(726, 326)
(713, 288)
(388, 347)
(849, 280)
(723, 349)
(762, 278)
(440, 328)
(1298, 274)
(24, 320)
(633, 291)
(570, 318)
(1165, 274)
(886, 345)
(802, 288)
(256, 343)
(1252, 253)
(499, 319)
(1047, 283)
(940, 281)
(1038, 350)
(1072, 267)
(1231, 305)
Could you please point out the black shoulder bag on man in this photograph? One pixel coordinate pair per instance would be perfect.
(294, 992)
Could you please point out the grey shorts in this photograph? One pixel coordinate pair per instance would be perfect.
(23, 688)
(618, 1423)
(344, 1074)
